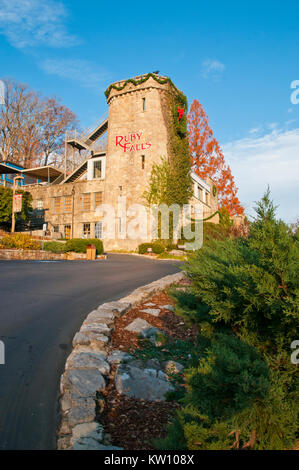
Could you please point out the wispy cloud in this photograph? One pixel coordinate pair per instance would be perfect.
(212, 69)
(254, 130)
(86, 73)
(35, 22)
(271, 159)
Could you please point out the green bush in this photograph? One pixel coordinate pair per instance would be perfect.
(78, 245)
(156, 247)
(55, 247)
(142, 248)
(20, 241)
(6, 195)
(171, 246)
(234, 400)
(244, 300)
(251, 284)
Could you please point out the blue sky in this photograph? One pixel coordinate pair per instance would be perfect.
(237, 58)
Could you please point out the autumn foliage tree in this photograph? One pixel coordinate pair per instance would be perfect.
(207, 159)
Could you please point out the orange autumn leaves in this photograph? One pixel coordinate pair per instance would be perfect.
(208, 160)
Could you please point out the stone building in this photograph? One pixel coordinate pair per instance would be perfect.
(121, 151)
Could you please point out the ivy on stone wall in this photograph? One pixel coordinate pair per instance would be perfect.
(178, 150)
(170, 181)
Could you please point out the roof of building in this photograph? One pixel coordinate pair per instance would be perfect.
(44, 173)
(5, 168)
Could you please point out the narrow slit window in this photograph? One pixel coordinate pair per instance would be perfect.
(143, 104)
(142, 161)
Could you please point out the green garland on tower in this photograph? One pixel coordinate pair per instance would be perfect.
(162, 81)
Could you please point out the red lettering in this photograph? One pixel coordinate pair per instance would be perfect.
(126, 142)
(119, 138)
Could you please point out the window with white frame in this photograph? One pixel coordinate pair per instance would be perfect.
(98, 230)
(96, 168)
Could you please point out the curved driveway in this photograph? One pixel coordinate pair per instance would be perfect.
(42, 305)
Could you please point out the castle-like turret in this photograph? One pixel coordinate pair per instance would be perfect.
(138, 131)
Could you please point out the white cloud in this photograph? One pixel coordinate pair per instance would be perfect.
(212, 69)
(272, 125)
(254, 130)
(84, 72)
(33, 22)
(271, 159)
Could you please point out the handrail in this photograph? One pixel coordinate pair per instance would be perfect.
(83, 136)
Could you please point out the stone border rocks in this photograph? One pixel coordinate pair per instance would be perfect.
(39, 255)
(87, 370)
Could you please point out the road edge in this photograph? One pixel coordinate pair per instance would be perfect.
(83, 380)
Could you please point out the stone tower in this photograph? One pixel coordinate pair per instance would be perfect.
(138, 135)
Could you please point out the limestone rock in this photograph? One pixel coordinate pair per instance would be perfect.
(83, 383)
(87, 436)
(83, 412)
(118, 307)
(118, 356)
(152, 311)
(88, 360)
(100, 316)
(167, 307)
(87, 349)
(144, 383)
(89, 338)
(98, 328)
(138, 325)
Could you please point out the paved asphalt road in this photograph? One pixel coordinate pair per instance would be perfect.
(42, 305)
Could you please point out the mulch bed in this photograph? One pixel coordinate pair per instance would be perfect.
(133, 423)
